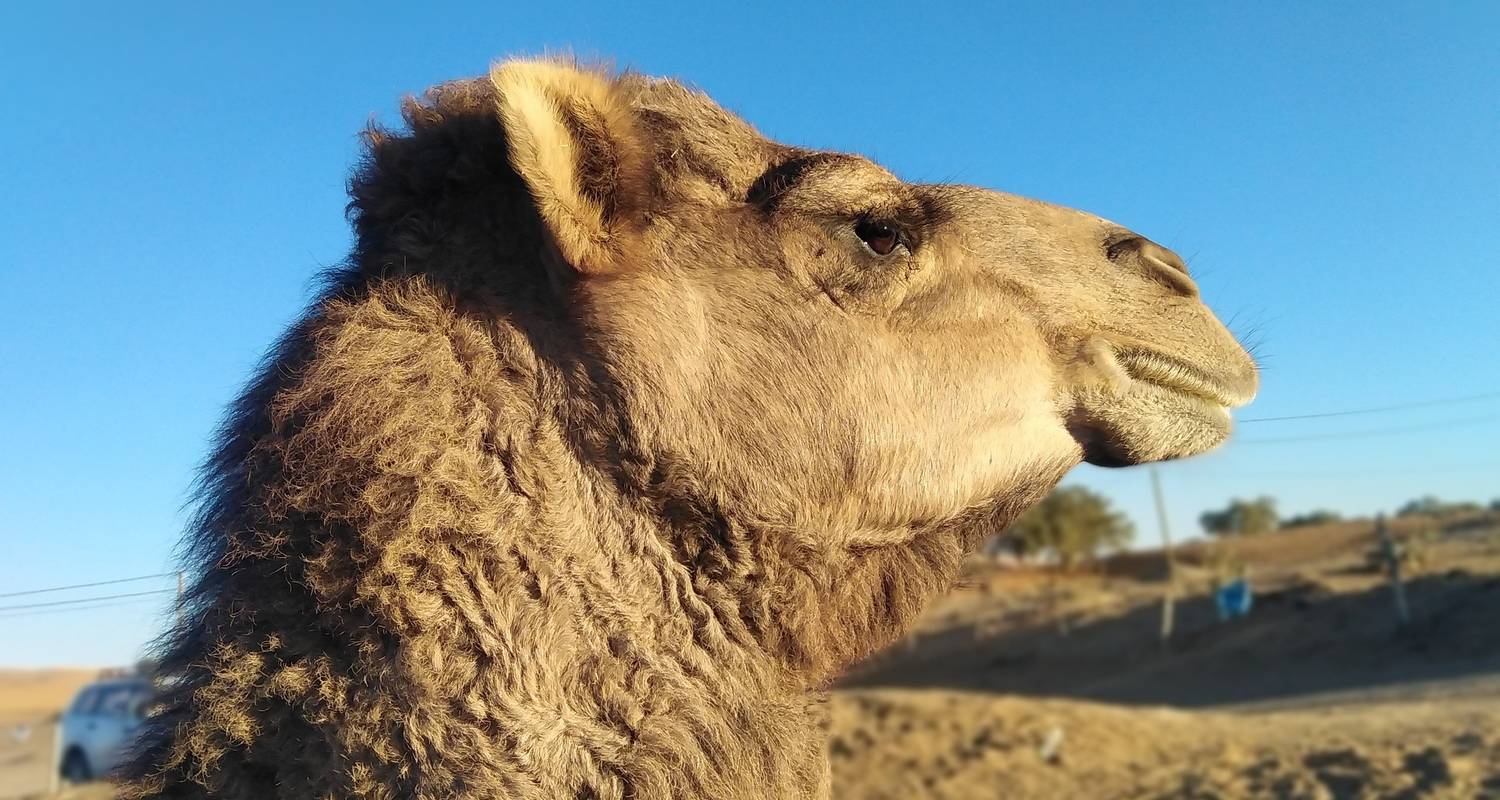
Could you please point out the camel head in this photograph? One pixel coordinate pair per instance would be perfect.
(806, 337)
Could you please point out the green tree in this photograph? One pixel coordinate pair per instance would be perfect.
(1242, 517)
(1073, 524)
(1320, 517)
(1430, 506)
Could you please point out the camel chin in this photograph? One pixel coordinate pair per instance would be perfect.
(1135, 404)
(1146, 424)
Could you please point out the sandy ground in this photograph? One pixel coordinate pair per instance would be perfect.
(901, 744)
(30, 693)
(1022, 684)
(30, 701)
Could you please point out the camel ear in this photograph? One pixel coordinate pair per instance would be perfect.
(572, 138)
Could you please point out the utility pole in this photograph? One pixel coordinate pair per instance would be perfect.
(1169, 597)
(1391, 552)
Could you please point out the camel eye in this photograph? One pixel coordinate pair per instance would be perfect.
(881, 238)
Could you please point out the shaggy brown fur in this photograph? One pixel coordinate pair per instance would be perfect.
(622, 434)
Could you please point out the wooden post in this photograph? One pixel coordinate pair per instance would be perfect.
(1391, 552)
(1169, 597)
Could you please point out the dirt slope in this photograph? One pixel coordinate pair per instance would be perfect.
(1318, 694)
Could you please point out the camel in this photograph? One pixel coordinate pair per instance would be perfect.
(623, 432)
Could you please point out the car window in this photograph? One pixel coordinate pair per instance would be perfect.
(117, 701)
(87, 700)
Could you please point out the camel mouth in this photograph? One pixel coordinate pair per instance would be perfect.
(1177, 425)
(1177, 375)
(1167, 408)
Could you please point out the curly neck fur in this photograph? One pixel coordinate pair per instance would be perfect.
(435, 565)
(426, 585)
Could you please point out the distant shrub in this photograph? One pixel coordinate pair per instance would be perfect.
(1242, 517)
(1415, 552)
(1430, 506)
(1320, 517)
(1073, 524)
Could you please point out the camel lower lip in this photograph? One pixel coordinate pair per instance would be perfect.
(1151, 422)
(1175, 375)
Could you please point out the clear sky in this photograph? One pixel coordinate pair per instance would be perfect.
(171, 180)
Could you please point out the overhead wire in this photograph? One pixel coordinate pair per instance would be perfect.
(1373, 432)
(1441, 401)
(70, 609)
(88, 585)
(52, 603)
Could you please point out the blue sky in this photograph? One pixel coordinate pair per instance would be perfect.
(172, 179)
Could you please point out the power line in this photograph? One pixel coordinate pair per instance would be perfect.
(1452, 423)
(89, 585)
(1381, 409)
(85, 600)
(1206, 472)
(70, 609)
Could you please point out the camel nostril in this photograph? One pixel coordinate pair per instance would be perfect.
(1155, 252)
(1167, 268)
(1159, 263)
(1121, 247)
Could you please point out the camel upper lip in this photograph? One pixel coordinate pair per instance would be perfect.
(1174, 373)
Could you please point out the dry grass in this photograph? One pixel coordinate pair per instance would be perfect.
(36, 694)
